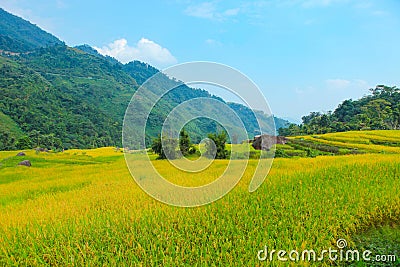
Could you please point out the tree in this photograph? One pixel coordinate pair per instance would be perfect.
(7, 141)
(395, 117)
(309, 118)
(293, 129)
(35, 136)
(156, 146)
(24, 142)
(215, 145)
(185, 145)
(165, 148)
(345, 110)
(377, 113)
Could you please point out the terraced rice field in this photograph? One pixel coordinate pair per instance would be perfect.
(82, 208)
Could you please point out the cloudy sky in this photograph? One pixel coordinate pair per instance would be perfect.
(305, 55)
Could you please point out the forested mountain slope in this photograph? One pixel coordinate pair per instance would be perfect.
(18, 35)
(57, 96)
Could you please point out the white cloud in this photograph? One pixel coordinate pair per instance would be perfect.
(204, 10)
(213, 42)
(231, 12)
(145, 50)
(337, 83)
(322, 3)
(208, 10)
(341, 84)
(311, 3)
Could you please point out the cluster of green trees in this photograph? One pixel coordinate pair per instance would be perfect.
(34, 139)
(215, 145)
(167, 147)
(170, 147)
(378, 111)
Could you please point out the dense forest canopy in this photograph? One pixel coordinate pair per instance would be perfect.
(378, 111)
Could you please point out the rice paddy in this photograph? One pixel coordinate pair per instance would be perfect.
(82, 208)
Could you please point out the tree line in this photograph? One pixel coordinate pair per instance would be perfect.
(380, 110)
(35, 139)
(172, 148)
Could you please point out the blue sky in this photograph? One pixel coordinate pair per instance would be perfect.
(305, 55)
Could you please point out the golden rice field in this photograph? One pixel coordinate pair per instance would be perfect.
(369, 141)
(82, 208)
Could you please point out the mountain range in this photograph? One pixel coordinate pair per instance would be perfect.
(58, 96)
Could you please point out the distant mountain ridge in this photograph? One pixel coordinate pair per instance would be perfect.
(58, 96)
(19, 35)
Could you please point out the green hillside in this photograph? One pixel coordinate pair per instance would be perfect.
(19, 35)
(63, 97)
(9, 132)
(51, 104)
